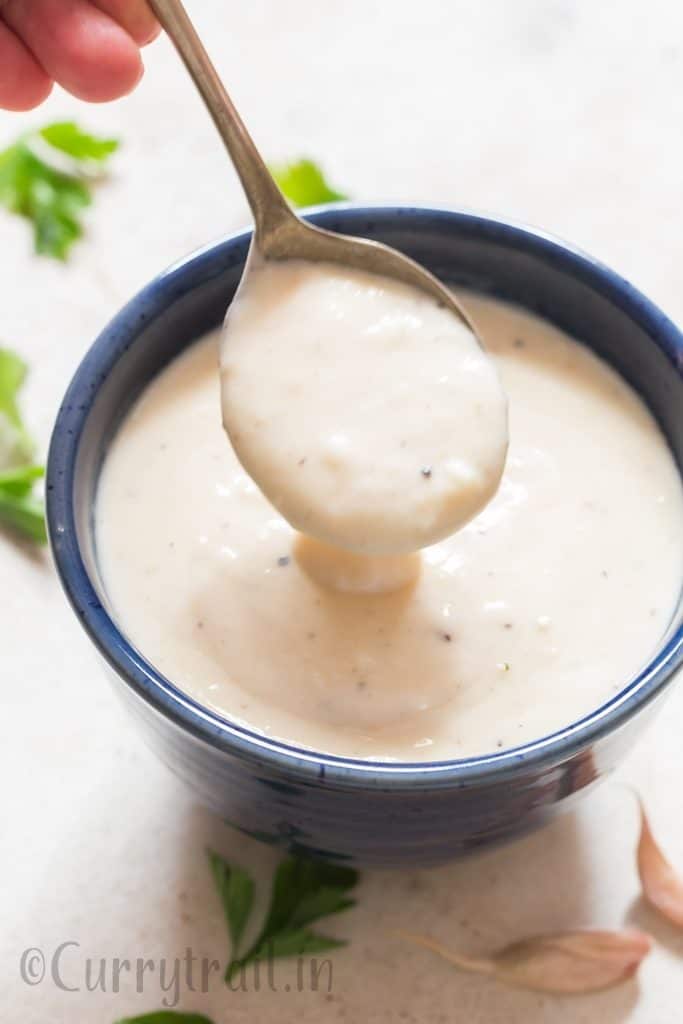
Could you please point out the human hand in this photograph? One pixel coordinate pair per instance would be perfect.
(90, 47)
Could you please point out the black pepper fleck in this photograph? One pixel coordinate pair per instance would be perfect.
(507, 625)
(301, 462)
(604, 574)
(283, 560)
(426, 472)
(447, 637)
(361, 684)
(519, 343)
(200, 624)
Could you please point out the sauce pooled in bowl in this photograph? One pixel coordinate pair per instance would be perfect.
(540, 609)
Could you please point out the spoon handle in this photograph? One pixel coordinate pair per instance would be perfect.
(268, 205)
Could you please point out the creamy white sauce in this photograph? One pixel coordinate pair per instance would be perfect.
(370, 417)
(539, 610)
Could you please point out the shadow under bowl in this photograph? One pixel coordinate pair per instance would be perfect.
(363, 812)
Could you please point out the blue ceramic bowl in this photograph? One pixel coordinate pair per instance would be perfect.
(370, 813)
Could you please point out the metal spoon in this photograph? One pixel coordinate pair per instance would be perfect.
(279, 234)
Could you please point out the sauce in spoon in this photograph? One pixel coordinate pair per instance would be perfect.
(369, 416)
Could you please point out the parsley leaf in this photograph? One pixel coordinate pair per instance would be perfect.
(303, 182)
(13, 371)
(16, 445)
(72, 140)
(19, 481)
(294, 942)
(303, 891)
(167, 1017)
(51, 198)
(236, 890)
(19, 508)
(24, 514)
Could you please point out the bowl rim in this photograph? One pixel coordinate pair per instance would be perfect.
(231, 738)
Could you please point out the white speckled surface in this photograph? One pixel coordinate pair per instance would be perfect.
(563, 113)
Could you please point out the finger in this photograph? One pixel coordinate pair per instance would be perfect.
(78, 45)
(133, 15)
(23, 83)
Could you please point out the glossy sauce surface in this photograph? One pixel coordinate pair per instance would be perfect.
(368, 415)
(534, 614)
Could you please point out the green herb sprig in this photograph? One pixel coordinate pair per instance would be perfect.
(304, 183)
(20, 509)
(52, 197)
(167, 1017)
(303, 891)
